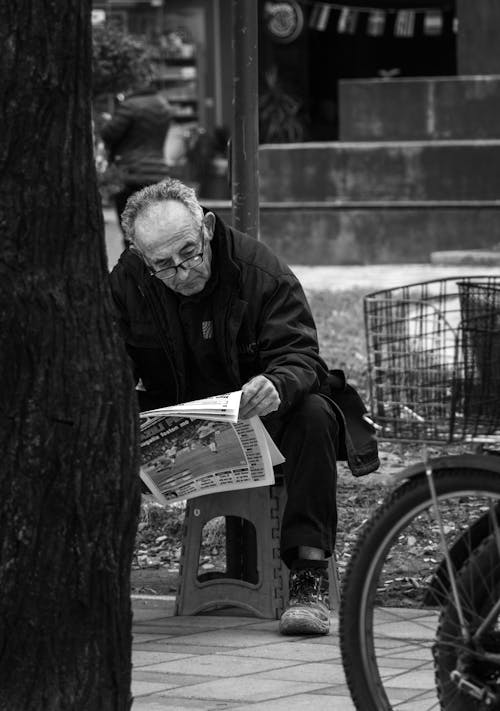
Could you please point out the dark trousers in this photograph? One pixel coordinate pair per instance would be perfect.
(308, 439)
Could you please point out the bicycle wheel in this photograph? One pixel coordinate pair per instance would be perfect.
(395, 585)
(472, 664)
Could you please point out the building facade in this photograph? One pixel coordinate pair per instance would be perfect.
(379, 122)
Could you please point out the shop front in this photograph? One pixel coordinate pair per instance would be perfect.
(370, 114)
(307, 48)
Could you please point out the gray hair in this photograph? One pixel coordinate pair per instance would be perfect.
(168, 189)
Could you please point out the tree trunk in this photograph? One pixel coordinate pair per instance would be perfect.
(69, 490)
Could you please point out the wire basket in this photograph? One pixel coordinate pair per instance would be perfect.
(480, 304)
(433, 352)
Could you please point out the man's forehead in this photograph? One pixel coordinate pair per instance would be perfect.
(162, 224)
(169, 213)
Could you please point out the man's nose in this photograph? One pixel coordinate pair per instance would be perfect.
(182, 274)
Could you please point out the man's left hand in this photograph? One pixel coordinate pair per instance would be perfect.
(259, 397)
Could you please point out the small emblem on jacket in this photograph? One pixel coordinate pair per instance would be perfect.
(247, 348)
(207, 329)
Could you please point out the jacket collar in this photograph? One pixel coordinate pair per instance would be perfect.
(229, 272)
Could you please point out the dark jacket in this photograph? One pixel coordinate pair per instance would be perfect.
(135, 136)
(262, 323)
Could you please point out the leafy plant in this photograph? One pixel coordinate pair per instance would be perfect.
(279, 113)
(120, 62)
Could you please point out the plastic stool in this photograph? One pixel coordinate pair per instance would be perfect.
(255, 580)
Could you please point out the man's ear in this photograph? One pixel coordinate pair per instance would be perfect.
(135, 249)
(209, 219)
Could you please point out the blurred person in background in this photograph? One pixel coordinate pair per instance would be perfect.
(134, 137)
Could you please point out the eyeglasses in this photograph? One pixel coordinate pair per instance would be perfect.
(189, 263)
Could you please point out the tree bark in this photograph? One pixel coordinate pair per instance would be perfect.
(69, 490)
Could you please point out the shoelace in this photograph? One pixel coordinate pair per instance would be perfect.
(308, 586)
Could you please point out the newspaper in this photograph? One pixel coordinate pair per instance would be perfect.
(201, 447)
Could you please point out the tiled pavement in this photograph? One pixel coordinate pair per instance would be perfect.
(225, 662)
(239, 663)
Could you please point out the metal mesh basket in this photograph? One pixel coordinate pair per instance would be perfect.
(427, 370)
(480, 326)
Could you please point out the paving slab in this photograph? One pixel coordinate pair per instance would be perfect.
(319, 701)
(146, 658)
(219, 664)
(316, 672)
(298, 650)
(246, 689)
(148, 703)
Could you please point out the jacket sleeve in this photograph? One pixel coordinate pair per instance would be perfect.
(288, 343)
(121, 315)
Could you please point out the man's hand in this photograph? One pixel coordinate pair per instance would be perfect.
(259, 397)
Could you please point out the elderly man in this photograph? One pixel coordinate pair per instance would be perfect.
(206, 310)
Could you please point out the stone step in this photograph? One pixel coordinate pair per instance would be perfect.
(459, 257)
(380, 171)
(419, 108)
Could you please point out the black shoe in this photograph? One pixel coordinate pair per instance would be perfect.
(308, 610)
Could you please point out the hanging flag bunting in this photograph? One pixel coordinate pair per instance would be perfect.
(313, 17)
(348, 19)
(320, 16)
(375, 25)
(405, 23)
(433, 22)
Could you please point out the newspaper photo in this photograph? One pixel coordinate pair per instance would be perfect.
(200, 447)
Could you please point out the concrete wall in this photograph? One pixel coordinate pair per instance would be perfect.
(478, 45)
(339, 172)
(427, 108)
(418, 174)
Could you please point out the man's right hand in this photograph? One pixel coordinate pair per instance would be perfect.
(259, 398)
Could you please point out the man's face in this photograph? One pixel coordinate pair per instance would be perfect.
(167, 236)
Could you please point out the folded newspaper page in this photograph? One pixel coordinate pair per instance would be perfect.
(225, 407)
(200, 447)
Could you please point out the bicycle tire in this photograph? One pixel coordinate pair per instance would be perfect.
(370, 643)
(478, 585)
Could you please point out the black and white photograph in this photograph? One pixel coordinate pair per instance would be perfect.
(250, 348)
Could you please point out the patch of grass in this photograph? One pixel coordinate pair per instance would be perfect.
(340, 325)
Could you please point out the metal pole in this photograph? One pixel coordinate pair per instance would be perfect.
(216, 18)
(245, 129)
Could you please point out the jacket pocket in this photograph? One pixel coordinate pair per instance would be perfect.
(357, 440)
